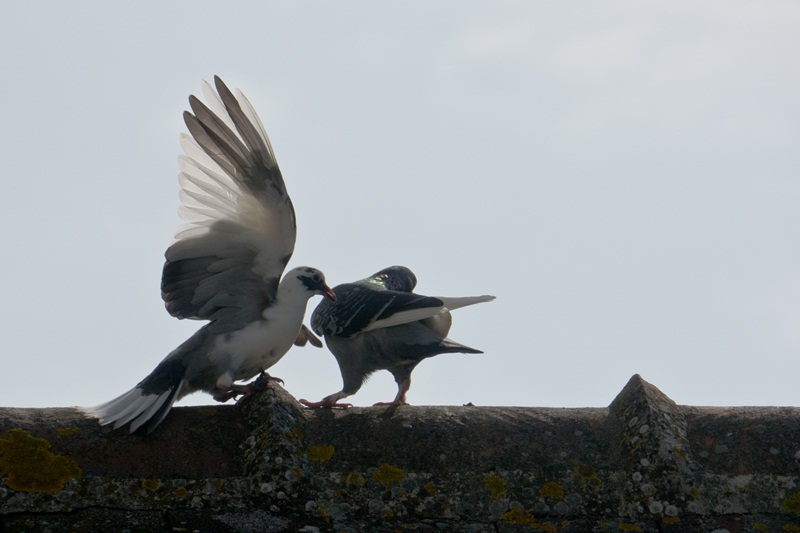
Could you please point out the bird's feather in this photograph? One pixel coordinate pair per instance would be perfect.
(239, 232)
(360, 307)
(457, 302)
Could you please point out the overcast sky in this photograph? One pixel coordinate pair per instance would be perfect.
(623, 176)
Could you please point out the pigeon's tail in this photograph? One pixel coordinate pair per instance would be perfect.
(457, 302)
(144, 404)
(427, 311)
(452, 346)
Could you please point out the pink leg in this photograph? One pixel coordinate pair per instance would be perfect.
(400, 399)
(329, 402)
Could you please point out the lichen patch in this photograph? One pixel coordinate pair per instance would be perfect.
(31, 466)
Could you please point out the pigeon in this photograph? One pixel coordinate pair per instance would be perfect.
(225, 265)
(378, 323)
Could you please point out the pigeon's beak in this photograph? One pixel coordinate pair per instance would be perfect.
(328, 293)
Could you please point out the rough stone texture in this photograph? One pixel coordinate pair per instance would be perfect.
(268, 464)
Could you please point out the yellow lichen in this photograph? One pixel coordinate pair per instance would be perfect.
(670, 520)
(495, 486)
(792, 503)
(588, 476)
(625, 526)
(430, 488)
(181, 493)
(760, 527)
(518, 516)
(320, 453)
(791, 527)
(151, 484)
(218, 484)
(388, 474)
(552, 490)
(355, 478)
(31, 466)
(544, 527)
(679, 452)
(386, 513)
(66, 432)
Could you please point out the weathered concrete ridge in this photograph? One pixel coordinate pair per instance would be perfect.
(267, 464)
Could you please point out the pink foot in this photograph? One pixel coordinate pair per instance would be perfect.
(326, 404)
(395, 402)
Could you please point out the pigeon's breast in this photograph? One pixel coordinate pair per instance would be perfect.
(254, 348)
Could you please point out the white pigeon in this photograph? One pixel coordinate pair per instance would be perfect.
(378, 323)
(224, 265)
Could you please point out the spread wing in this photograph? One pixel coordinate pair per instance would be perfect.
(227, 259)
(360, 307)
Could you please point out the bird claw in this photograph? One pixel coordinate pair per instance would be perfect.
(326, 404)
(390, 404)
(234, 391)
(264, 381)
(229, 394)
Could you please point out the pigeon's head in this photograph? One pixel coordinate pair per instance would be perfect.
(311, 280)
(395, 278)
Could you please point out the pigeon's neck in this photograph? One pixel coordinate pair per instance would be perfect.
(290, 301)
(374, 280)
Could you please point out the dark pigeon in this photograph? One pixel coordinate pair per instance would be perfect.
(379, 323)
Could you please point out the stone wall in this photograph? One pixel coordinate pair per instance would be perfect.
(267, 464)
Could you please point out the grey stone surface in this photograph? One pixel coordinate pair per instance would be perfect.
(268, 464)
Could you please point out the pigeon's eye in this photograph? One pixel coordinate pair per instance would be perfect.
(317, 278)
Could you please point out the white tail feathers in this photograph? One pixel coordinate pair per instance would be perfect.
(412, 315)
(135, 407)
(452, 303)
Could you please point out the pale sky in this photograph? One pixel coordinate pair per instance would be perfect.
(623, 176)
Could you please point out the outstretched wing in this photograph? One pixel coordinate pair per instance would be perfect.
(226, 261)
(360, 307)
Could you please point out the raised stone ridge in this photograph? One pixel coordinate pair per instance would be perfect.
(268, 464)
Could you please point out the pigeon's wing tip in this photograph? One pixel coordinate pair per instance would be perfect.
(305, 337)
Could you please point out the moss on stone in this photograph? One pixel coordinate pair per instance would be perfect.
(792, 503)
(355, 478)
(518, 516)
(151, 485)
(588, 476)
(495, 486)
(320, 453)
(388, 474)
(552, 490)
(31, 466)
